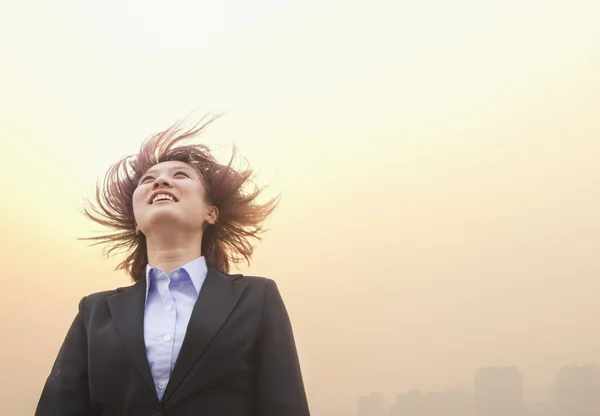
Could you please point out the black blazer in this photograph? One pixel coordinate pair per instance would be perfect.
(238, 357)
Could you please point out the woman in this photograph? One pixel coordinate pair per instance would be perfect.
(186, 338)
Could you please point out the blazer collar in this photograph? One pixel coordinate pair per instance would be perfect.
(217, 299)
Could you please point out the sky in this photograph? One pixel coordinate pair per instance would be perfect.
(437, 163)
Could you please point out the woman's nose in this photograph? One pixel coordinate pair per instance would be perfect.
(161, 182)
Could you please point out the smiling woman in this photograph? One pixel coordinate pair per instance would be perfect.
(225, 188)
(187, 337)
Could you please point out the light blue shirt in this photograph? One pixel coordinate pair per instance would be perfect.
(169, 303)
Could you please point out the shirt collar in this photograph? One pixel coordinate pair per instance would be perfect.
(196, 269)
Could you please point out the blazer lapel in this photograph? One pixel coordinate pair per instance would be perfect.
(217, 299)
(127, 310)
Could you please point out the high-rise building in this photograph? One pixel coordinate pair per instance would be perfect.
(498, 392)
(410, 403)
(578, 390)
(373, 405)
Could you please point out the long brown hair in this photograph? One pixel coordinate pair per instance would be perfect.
(240, 215)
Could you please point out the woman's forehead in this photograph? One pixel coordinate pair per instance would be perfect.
(168, 166)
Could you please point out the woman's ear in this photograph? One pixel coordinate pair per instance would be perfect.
(212, 216)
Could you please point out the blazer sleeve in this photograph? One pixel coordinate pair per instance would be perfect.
(65, 392)
(279, 385)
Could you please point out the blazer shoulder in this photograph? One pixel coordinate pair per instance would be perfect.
(96, 297)
(251, 280)
(257, 281)
(91, 300)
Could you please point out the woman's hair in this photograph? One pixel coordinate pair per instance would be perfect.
(225, 242)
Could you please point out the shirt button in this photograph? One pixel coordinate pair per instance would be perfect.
(162, 385)
(168, 307)
(167, 337)
(175, 275)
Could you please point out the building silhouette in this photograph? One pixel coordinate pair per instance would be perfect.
(412, 403)
(373, 405)
(578, 390)
(498, 391)
(446, 403)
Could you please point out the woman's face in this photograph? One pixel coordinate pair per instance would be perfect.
(172, 194)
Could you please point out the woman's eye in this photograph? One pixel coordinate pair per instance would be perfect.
(182, 173)
(145, 178)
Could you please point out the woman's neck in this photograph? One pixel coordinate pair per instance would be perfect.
(170, 254)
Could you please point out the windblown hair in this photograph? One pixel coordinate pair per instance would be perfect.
(223, 243)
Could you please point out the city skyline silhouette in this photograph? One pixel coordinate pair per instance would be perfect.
(497, 391)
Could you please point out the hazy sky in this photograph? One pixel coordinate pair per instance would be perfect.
(438, 163)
